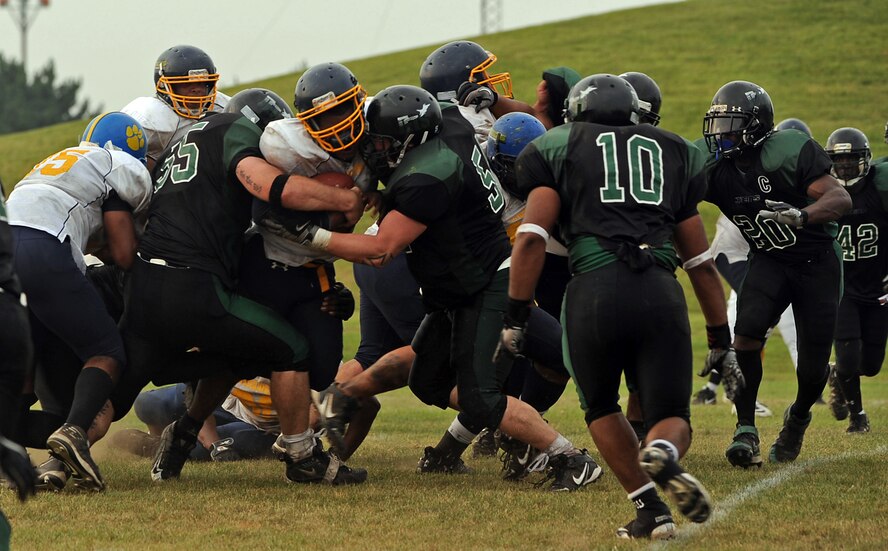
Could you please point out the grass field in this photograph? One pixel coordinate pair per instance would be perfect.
(822, 62)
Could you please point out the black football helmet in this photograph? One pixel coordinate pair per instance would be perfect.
(794, 124)
(184, 65)
(330, 103)
(649, 98)
(399, 118)
(603, 99)
(741, 117)
(851, 155)
(456, 62)
(259, 105)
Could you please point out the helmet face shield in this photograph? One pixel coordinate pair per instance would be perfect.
(726, 133)
(186, 105)
(849, 168)
(336, 122)
(501, 83)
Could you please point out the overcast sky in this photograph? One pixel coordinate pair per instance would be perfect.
(112, 44)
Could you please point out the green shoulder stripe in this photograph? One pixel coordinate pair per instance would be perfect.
(553, 146)
(781, 151)
(241, 135)
(434, 158)
(697, 157)
(880, 180)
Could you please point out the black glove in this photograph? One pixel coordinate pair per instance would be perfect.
(339, 302)
(223, 450)
(302, 232)
(723, 358)
(16, 465)
(481, 97)
(511, 343)
(784, 213)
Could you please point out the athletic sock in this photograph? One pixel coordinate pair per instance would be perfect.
(451, 447)
(460, 432)
(560, 445)
(851, 390)
(91, 391)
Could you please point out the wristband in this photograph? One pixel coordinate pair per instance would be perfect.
(277, 190)
(718, 336)
(321, 239)
(518, 310)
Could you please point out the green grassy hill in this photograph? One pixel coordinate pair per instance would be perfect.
(820, 61)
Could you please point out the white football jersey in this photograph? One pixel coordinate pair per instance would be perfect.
(729, 241)
(63, 195)
(161, 123)
(286, 144)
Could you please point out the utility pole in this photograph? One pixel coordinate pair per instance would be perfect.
(491, 16)
(23, 15)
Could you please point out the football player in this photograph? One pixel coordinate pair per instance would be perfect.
(862, 329)
(442, 200)
(56, 213)
(623, 307)
(185, 79)
(731, 254)
(185, 319)
(776, 187)
(296, 281)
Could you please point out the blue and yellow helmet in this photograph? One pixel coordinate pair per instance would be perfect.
(121, 130)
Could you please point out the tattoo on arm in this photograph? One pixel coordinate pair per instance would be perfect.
(255, 186)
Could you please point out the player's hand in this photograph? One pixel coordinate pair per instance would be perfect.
(339, 302)
(511, 342)
(16, 465)
(355, 213)
(725, 361)
(784, 213)
(482, 97)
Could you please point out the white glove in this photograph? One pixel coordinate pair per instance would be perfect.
(784, 213)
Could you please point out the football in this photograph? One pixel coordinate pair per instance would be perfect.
(340, 180)
(335, 179)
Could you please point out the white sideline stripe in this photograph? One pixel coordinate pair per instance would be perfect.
(726, 506)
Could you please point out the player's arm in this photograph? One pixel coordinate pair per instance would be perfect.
(396, 231)
(693, 249)
(529, 250)
(831, 200)
(295, 192)
(120, 234)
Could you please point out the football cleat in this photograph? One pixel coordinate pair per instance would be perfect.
(789, 442)
(223, 450)
(572, 471)
(744, 450)
(433, 461)
(52, 475)
(172, 453)
(704, 396)
(659, 528)
(321, 467)
(485, 444)
(858, 424)
(837, 404)
(516, 457)
(685, 491)
(69, 445)
(334, 412)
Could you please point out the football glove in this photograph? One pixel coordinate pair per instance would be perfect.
(339, 302)
(784, 213)
(725, 361)
(481, 97)
(511, 342)
(16, 465)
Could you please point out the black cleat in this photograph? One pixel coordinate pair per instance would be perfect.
(789, 442)
(321, 467)
(486, 443)
(685, 491)
(660, 528)
(335, 410)
(704, 396)
(858, 424)
(572, 471)
(172, 453)
(744, 450)
(69, 445)
(516, 457)
(433, 461)
(52, 475)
